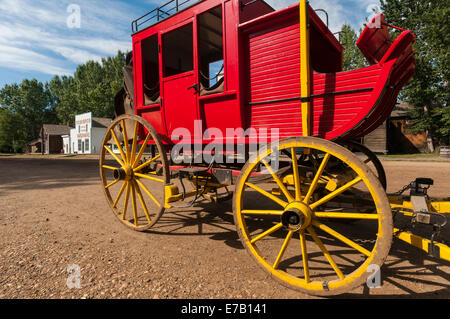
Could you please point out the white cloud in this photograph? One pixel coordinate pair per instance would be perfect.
(353, 12)
(34, 35)
(28, 60)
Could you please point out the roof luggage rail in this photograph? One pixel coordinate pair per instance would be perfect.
(161, 13)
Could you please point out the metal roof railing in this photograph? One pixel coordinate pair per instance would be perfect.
(161, 13)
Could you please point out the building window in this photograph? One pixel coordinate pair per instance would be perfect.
(86, 145)
(178, 51)
(80, 146)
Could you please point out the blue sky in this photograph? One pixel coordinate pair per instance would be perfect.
(36, 41)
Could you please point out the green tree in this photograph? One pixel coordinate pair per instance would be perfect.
(92, 88)
(25, 108)
(428, 91)
(352, 58)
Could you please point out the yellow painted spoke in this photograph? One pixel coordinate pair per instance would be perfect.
(133, 203)
(283, 250)
(304, 256)
(315, 181)
(263, 212)
(149, 177)
(109, 167)
(120, 194)
(279, 182)
(266, 233)
(141, 199)
(148, 192)
(114, 155)
(143, 147)
(137, 169)
(127, 198)
(325, 252)
(134, 146)
(125, 139)
(336, 193)
(112, 183)
(342, 238)
(277, 200)
(345, 215)
(298, 195)
(116, 140)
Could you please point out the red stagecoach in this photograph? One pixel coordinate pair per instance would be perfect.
(209, 82)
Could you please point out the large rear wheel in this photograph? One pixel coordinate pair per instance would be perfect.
(292, 225)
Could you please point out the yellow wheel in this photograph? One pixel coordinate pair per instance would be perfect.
(134, 171)
(291, 223)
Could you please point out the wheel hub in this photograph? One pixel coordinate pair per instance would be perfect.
(124, 173)
(297, 216)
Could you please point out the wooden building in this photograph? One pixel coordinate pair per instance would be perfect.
(51, 136)
(393, 136)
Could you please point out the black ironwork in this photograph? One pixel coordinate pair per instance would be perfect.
(161, 13)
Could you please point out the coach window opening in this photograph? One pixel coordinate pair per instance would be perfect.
(178, 51)
(210, 51)
(150, 65)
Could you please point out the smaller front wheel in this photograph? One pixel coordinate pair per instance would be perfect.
(134, 171)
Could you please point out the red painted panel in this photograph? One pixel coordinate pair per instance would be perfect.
(180, 102)
(221, 111)
(153, 115)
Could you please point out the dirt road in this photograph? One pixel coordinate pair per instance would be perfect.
(54, 214)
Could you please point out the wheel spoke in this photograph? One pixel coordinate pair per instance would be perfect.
(112, 183)
(134, 146)
(336, 193)
(345, 215)
(141, 199)
(304, 255)
(120, 194)
(342, 238)
(315, 181)
(277, 200)
(127, 198)
(133, 203)
(148, 192)
(279, 182)
(283, 250)
(137, 169)
(266, 233)
(143, 147)
(325, 252)
(116, 140)
(125, 141)
(263, 212)
(114, 155)
(298, 195)
(149, 177)
(109, 167)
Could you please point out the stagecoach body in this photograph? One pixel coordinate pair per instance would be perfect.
(260, 85)
(270, 79)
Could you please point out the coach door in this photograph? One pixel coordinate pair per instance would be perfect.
(179, 79)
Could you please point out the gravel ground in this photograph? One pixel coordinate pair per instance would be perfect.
(54, 215)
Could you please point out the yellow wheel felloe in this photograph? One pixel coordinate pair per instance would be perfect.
(134, 181)
(296, 234)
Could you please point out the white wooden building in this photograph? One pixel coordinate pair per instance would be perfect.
(87, 136)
